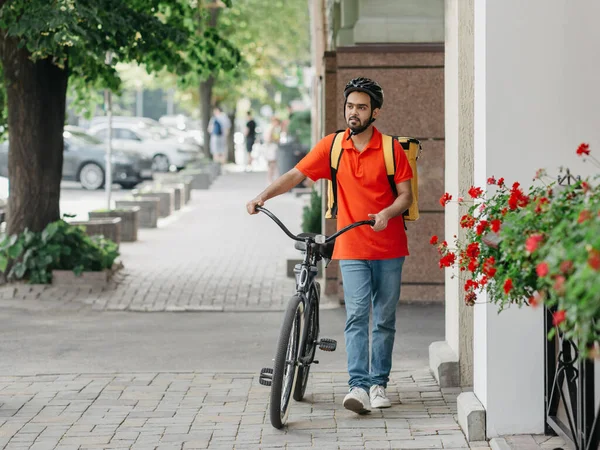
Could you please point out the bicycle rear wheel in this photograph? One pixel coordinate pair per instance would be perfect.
(310, 347)
(285, 368)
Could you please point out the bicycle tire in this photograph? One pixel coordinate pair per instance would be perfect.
(312, 335)
(287, 350)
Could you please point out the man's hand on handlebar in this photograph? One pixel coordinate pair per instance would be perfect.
(252, 204)
(381, 221)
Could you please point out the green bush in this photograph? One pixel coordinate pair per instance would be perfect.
(300, 127)
(311, 215)
(60, 246)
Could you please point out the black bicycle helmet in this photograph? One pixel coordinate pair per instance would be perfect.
(367, 86)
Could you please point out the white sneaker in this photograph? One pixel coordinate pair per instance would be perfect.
(357, 400)
(378, 397)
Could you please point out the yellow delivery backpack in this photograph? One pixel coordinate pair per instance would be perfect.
(412, 149)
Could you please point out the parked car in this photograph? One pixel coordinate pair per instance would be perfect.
(186, 139)
(84, 161)
(167, 154)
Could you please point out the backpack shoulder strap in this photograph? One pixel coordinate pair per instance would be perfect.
(390, 161)
(335, 155)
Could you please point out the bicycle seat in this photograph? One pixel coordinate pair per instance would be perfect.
(325, 250)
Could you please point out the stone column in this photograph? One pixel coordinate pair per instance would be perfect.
(452, 360)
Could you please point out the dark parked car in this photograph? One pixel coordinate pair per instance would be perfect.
(84, 161)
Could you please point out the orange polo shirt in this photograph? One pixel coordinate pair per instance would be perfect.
(363, 189)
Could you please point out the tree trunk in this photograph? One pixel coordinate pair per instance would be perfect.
(206, 88)
(36, 95)
(230, 137)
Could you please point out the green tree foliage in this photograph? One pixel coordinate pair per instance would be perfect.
(273, 36)
(47, 45)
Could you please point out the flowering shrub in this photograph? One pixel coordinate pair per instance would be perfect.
(538, 247)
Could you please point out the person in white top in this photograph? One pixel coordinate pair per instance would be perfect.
(272, 139)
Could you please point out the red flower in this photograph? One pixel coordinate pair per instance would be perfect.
(483, 281)
(472, 265)
(540, 202)
(559, 284)
(566, 266)
(594, 259)
(447, 260)
(481, 226)
(434, 240)
(584, 215)
(542, 269)
(583, 149)
(475, 192)
(471, 284)
(467, 221)
(586, 186)
(473, 250)
(517, 197)
(491, 180)
(533, 242)
(534, 301)
(504, 211)
(445, 199)
(470, 298)
(500, 182)
(508, 285)
(496, 223)
(559, 317)
(488, 267)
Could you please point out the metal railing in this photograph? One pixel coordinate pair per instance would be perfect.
(570, 392)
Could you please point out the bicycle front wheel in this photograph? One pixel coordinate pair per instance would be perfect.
(285, 369)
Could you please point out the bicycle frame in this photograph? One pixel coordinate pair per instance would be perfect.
(308, 268)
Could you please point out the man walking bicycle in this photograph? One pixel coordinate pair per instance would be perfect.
(371, 259)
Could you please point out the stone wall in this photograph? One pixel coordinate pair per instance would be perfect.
(412, 77)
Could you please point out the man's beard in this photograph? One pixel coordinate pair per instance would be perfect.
(357, 127)
(360, 127)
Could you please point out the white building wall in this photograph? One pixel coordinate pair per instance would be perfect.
(537, 97)
(451, 170)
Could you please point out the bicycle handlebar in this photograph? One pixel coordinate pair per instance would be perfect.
(278, 222)
(327, 238)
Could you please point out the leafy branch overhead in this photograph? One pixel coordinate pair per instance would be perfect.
(77, 35)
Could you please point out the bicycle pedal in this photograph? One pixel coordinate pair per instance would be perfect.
(327, 345)
(266, 376)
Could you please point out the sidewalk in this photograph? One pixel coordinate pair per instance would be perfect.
(217, 411)
(210, 256)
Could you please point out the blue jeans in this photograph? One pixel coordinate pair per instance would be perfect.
(367, 283)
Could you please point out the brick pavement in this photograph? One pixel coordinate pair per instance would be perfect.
(218, 411)
(211, 256)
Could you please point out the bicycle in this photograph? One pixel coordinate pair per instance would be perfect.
(299, 335)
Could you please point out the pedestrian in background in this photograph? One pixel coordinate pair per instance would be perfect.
(250, 133)
(272, 140)
(218, 127)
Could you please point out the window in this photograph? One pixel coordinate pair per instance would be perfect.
(102, 134)
(123, 133)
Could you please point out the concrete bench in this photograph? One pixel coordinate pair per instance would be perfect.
(178, 191)
(109, 227)
(201, 178)
(148, 213)
(165, 195)
(169, 178)
(129, 220)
